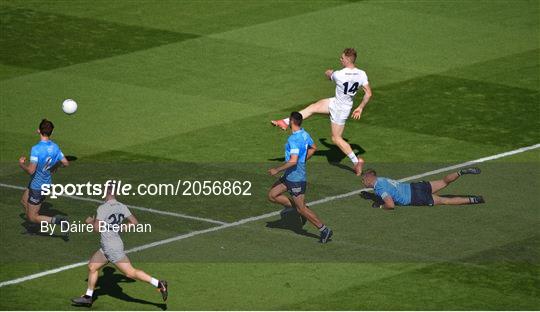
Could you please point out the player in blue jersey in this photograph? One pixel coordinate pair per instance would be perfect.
(390, 193)
(299, 148)
(45, 157)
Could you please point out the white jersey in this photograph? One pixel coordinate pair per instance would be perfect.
(348, 82)
(112, 212)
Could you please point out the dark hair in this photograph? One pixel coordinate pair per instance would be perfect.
(111, 188)
(369, 172)
(46, 127)
(351, 53)
(296, 118)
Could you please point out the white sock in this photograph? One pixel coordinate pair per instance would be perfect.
(154, 282)
(287, 121)
(89, 292)
(353, 158)
(322, 228)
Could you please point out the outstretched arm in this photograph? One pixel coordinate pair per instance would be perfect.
(328, 73)
(291, 163)
(311, 150)
(29, 168)
(357, 113)
(388, 203)
(132, 220)
(64, 162)
(94, 222)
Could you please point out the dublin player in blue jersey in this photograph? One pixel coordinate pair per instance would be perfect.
(45, 157)
(299, 148)
(390, 193)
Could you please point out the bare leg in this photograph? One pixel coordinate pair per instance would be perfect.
(438, 185)
(24, 201)
(125, 267)
(275, 194)
(306, 212)
(337, 138)
(32, 214)
(319, 107)
(97, 261)
(438, 200)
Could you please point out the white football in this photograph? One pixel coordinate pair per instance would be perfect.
(69, 106)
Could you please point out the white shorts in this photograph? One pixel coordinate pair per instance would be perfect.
(113, 251)
(339, 112)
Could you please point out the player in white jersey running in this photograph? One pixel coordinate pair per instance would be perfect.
(348, 81)
(111, 214)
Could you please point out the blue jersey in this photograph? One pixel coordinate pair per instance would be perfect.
(399, 191)
(298, 143)
(45, 154)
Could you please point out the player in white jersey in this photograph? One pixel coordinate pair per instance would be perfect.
(348, 81)
(111, 214)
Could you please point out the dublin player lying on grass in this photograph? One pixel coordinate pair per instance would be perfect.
(113, 213)
(389, 193)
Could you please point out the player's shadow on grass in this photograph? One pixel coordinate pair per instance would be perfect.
(333, 154)
(34, 228)
(290, 221)
(109, 284)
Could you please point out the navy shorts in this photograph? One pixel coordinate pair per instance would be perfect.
(421, 194)
(294, 188)
(35, 197)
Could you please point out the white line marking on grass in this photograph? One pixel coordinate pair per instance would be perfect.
(473, 162)
(267, 215)
(430, 173)
(140, 248)
(41, 274)
(151, 210)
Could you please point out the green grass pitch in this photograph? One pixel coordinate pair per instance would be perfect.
(185, 89)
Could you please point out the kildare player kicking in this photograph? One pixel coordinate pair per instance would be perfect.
(45, 157)
(113, 212)
(348, 81)
(299, 148)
